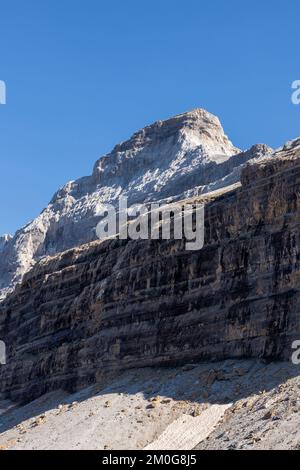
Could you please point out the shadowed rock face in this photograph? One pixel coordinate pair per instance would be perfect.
(104, 307)
(181, 157)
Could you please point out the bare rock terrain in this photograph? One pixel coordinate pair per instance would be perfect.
(125, 344)
(183, 156)
(105, 307)
(234, 404)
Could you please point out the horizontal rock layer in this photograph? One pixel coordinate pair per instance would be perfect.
(184, 156)
(104, 307)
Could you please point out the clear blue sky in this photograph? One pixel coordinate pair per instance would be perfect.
(83, 75)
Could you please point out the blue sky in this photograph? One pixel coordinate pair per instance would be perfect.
(83, 75)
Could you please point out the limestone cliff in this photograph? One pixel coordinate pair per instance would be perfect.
(183, 156)
(100, 308)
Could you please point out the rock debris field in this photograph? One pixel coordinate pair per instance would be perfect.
(234, 404)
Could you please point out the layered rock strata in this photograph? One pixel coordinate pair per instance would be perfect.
(100, 308)
(181, 157)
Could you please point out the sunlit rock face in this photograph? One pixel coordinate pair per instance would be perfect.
(181, 157)
(101, 308)
(4, 240)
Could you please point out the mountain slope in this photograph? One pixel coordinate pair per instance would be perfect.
(104, 307)
(138, 407)
(183, 156)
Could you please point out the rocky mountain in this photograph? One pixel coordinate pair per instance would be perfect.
(93, 311)
(4, 240)
(181, 157)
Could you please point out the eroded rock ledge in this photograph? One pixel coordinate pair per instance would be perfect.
(104, 307)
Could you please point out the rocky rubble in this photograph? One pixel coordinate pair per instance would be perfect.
(137, 409)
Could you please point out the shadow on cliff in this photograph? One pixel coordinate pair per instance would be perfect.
(215, 383)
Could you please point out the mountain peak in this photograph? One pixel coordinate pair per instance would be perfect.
(4, 239)
(183, 156)
(203, 123)
(196, 131)
(198, 113)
